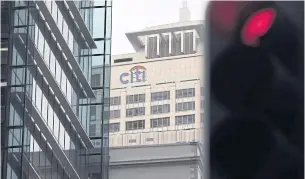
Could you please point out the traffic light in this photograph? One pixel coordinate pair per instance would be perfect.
(255, 64)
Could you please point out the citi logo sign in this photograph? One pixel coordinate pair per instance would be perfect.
(135, 74)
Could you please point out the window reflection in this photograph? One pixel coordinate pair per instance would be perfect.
(20, 17)
(108, 21)
(100, 47)
(99, 60)
(38, 94)
(17, 77)
(98, 3)
(19, 3)
(17, 60)
(98, 22)
(108, 47)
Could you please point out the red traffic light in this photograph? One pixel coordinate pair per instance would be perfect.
(257, 25)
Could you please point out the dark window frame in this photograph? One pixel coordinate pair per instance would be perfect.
(130, 125)
(158, 121)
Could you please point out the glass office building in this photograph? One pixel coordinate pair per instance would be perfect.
(51, 48)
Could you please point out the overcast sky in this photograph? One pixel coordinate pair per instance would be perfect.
(134, 15)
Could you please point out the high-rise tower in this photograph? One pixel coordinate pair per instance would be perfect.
(49, 49)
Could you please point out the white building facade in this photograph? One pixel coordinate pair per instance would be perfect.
(157, 92)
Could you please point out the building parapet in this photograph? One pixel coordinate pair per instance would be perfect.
(156, 138)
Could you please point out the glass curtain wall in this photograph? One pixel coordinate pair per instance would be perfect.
(42, 141)
(5, 17)
(98, 17)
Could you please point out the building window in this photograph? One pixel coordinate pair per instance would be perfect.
(114, 127)
(152, 47)
(185, 106)
(114, 114)
(159, 96)
(95, 92)
(160, 109)
(135, 112)
(96, 80)
(3, 97)
(2, 113)
(135, 125)
(185, 119)
(159, 122)
(92, 130)
(201, 117)
(150, 139)
(137, 98)
(132, 140)
(115, 101)
(92, 113)
(105, 128)
(164, 46)
(185, 93)
(188, 42)
(98, 94)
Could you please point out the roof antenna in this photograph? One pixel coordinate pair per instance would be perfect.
(184, 13)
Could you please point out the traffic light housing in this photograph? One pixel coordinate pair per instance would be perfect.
(255, 63)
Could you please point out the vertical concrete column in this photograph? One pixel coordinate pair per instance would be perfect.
(123, 112)
(197, 105)
(172, 107)
(147, 109)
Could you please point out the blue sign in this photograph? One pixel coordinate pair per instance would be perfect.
(136, 74)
